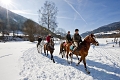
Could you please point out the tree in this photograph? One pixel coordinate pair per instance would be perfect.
(30, 29)
(61, 31)
(1, 25)
(47, 15)
(13, 27)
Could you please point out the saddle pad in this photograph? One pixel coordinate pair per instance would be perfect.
(64, 44)
(71, 47)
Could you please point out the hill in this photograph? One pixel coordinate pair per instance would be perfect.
(9, 19)
(110, 30)
(12, 22)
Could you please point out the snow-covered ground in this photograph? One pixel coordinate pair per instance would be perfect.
(21, 61)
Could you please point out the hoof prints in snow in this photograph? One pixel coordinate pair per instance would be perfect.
(39, 67)
(35, 66)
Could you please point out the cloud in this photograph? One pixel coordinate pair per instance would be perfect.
(75, 10)
(64, 17)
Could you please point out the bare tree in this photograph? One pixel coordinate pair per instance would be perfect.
(1, 24)
(13, 27)
(61, 31)
(30, 29)
(47, 15)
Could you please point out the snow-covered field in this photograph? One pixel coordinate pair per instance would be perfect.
(21, 61)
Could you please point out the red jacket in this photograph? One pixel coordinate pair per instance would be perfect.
(48, 38)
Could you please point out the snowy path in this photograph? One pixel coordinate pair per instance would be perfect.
(10, 52)
(21, 61)
(102, 62)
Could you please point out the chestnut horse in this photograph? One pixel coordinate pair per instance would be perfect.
(48, 48)
(63, 47)
(83, 49)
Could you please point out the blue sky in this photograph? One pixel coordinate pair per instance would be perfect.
(85, 15)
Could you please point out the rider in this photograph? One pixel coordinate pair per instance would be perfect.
(68, 37)
(48, 38)
(77, 39)
(39, 41)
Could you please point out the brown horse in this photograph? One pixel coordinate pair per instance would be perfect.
(62, 49)
(49, 48)
(83, 49)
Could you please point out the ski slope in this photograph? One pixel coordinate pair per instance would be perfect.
(21, 61)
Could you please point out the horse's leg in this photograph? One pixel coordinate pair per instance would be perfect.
(47, 53)
(52, 57)
(64, 53)
(77, 57)
(41, 49)
(79, 61)
(71, 56)
(45, 49)
(84, 61)
(67, 58)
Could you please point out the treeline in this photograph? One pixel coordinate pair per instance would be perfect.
(115, 35)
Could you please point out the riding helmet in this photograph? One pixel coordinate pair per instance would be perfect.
(76, 30)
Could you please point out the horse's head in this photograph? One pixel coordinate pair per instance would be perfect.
(92, 39)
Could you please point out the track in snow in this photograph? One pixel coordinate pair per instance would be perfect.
(100, 61)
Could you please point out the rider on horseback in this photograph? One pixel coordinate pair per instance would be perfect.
(68, 37)
(77, 39)
(48, 40)
(39, 41)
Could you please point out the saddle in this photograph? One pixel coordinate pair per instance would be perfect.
(80, 45)
(64, 43)
(48, 45)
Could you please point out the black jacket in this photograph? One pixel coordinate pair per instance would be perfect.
(39, 40)
(77, 38)
(68, 37)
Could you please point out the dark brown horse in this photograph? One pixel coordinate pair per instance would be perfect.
(83, 49)
(49, 48)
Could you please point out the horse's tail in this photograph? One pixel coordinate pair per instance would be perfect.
(45, 48)
(61, 47)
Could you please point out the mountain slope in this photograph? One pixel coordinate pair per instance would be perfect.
(13, 21)
(10, 18)
(104, 29)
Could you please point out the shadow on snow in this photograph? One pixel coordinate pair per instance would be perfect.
(98, 70)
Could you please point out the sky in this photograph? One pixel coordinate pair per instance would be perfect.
(86, 15)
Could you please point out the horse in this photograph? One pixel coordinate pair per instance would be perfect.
(49, 48)
(83, 49)
(40, 46)
(62, 49)
(64, 46)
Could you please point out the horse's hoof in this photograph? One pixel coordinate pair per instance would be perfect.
(62, 56)
(68, 62)
(77, 64)
(88, 72)
(53, 61)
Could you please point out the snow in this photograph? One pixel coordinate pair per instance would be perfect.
(21, 61)
(108, 32)
(15, 20)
